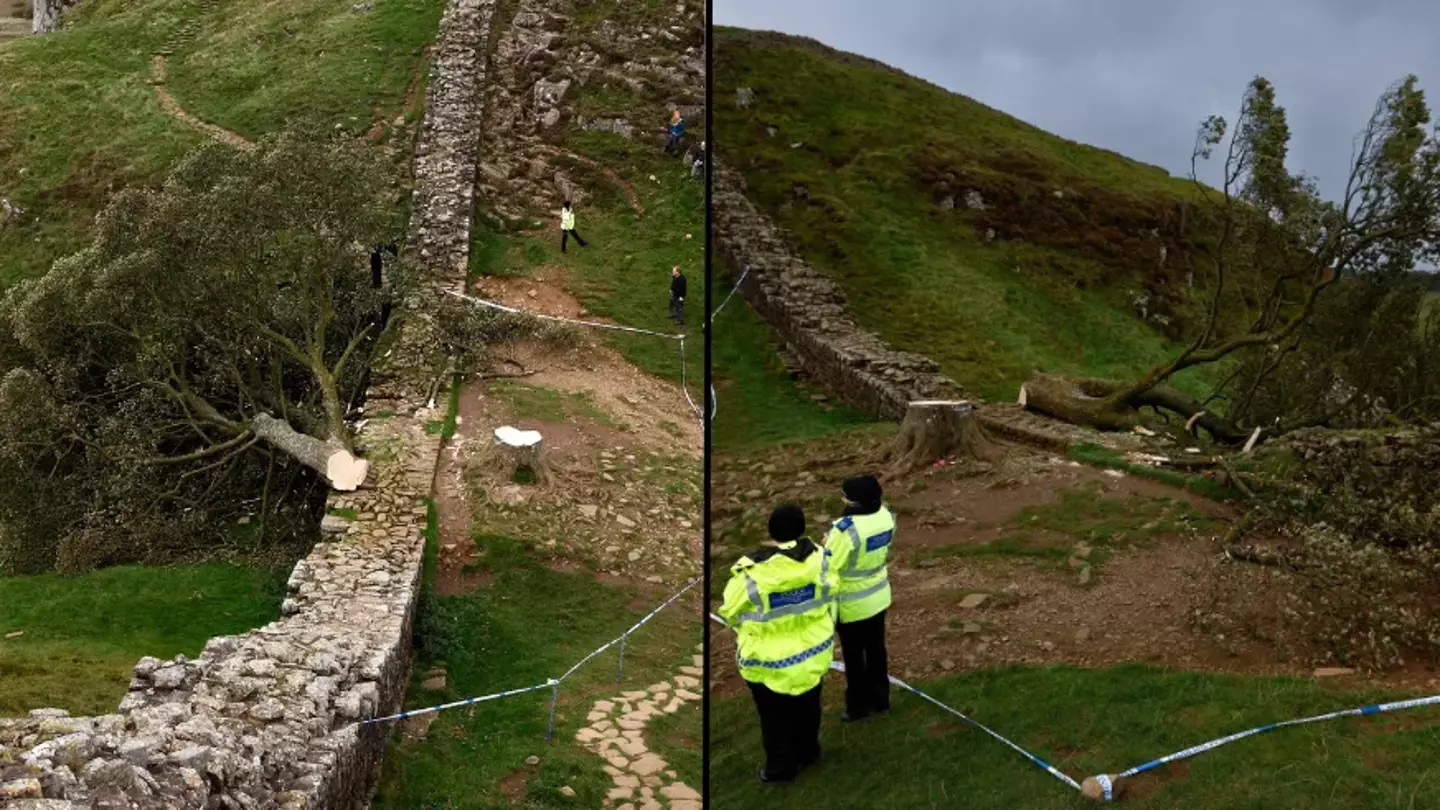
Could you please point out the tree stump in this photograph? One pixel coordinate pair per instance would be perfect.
(935, 429)
(522, 454)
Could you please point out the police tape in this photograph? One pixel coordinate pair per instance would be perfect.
(1107, 782)
(681, 338)
(517, 311)
(684, 388)
(839, 666)
(731, 294)
(553, 684)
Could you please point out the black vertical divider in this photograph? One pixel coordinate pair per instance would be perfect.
(707, 407)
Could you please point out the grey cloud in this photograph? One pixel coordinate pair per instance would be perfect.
(1139, 76)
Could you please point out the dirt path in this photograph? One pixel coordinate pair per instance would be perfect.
(173, 108)
(1043, 561)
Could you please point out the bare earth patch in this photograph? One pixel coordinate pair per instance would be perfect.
(1160, 593)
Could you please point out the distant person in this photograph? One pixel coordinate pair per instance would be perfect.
(676, 129)
(677, 296)
(776, 600)
(567, 226)
(697, 164)
(377, 263)
(859, 543)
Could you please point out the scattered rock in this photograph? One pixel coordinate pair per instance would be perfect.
(532, 760)
(744, 97)
(973, 600)
(1333, 672)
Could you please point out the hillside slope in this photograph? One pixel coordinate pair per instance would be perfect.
(82, 113)
(957, 231)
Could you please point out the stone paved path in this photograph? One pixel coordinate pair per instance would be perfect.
(642, 778)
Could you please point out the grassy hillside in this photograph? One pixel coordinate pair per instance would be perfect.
(78, 117)
(874, 172)
(71, 642)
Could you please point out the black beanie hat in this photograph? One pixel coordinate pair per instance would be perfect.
(861, 489)
(787, 523)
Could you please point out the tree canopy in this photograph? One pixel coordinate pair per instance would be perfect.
(216, 328)
(1343, 323)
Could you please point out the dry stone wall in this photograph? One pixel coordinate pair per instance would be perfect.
(268, 719)
(808, 311)
(45, 14)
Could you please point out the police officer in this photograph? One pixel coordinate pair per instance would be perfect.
(859, 543)
(778, 601)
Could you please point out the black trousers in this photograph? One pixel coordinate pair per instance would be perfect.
(790, 728)
(677, 311)
(867, 671)
(567, 232)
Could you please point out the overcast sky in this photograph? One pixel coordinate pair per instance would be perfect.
(1137, 76)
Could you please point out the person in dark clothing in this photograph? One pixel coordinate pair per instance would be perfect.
(697, 163)
(676, 130)
(677, 296)
(860, 542)
(567, 227)
(377, 263)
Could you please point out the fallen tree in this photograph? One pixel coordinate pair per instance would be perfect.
(1275, 226)
(200, 351)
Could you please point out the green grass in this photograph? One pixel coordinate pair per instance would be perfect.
(79, 119)
(83, 634)
(926, 280)
(1091, 721)
(758, 404)
(528, 624)
(624, 275)
(1097, 456)
(259, 63)
(1052, 532)
(547, 404)
(677, 739)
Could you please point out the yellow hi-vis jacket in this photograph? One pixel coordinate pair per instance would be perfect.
(860, 547)
(567, 219)
(778, 602)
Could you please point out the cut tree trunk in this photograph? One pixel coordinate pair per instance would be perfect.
(523, 455)
(933, 430)
(1109, 404)
(1079, 401)
(339, 466)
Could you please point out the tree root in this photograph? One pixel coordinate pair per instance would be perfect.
(933, 430)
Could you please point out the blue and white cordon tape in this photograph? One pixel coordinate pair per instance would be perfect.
(1106, 787)
(553, 684)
